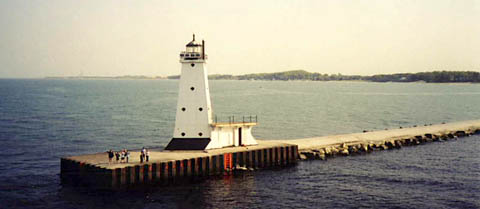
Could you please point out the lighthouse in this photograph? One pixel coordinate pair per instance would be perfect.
(194, 127)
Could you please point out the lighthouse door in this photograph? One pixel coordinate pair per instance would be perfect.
(239, 136)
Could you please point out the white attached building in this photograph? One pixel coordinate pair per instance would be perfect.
(194, 127)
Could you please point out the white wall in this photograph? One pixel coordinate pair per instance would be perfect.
(192, 121)
(228, 137)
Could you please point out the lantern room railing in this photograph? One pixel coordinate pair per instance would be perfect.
(192, 56)
(235, 120)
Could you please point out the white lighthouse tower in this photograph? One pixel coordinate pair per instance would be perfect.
(194, 127)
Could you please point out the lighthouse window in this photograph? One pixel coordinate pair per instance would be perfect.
(201, 109)
(193, 64)
(200, 134)
(183, 133)
(183, 109)
(192, 88)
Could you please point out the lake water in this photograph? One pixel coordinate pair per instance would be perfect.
(44, 120)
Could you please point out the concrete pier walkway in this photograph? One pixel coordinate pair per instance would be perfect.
(101, 160)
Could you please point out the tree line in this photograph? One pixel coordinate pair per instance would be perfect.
(429, 77)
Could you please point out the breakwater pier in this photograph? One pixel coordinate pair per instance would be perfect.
(168, 166)
(346, 144)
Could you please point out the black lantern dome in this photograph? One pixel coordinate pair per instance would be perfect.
(193, 43)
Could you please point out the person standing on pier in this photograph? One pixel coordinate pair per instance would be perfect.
(147, 154)
(142, 154)
(127, 155)
(110, 156)
(117, 156)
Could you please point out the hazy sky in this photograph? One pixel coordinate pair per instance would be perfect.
(72, 37)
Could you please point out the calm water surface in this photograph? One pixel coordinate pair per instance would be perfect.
(43, 120)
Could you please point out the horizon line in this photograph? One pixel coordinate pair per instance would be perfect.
(165, 76)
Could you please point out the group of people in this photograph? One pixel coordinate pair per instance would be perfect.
(122, 156)
(144, 155)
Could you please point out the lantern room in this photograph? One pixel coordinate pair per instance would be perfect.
(194, 51)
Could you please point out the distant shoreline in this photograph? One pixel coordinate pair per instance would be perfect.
(107, 77)
(170, 79)
(301, 75)
(427, 77)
